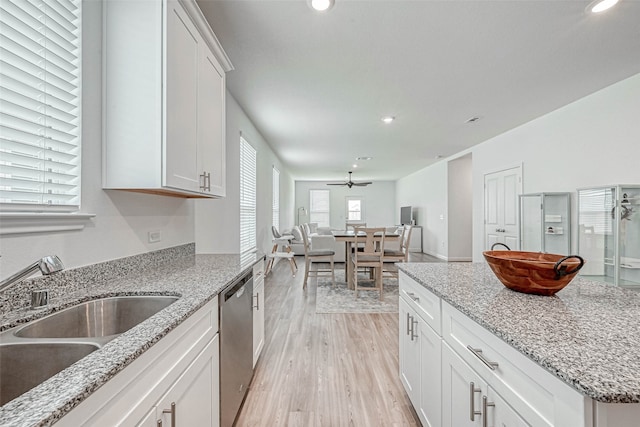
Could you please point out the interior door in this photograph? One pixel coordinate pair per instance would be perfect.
(501, 191)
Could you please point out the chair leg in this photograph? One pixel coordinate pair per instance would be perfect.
(333, 273)
(306, 273)
(293, 266)
(379, 280)
(355, 279)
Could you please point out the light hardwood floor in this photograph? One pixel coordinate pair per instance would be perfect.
(324, 369)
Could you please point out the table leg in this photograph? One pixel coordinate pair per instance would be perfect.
(348, 268)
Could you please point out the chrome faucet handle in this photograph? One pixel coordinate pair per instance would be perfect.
(50, 264)
(39, 298)
(47, 265)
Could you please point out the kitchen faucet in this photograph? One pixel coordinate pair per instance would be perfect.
(47, 265)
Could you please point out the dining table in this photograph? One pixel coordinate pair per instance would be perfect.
(349, 238)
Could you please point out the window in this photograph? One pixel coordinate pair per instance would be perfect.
(247, 197)
(319, 205)
(275, 204)
(355, 209)
(40, 94)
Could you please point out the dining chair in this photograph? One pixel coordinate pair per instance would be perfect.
(370, 257)
(391, 256)
(311, 256)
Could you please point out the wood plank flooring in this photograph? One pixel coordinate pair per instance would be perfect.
(324, 369)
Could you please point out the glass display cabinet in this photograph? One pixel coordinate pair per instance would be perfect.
(609, 234)
(545, 223)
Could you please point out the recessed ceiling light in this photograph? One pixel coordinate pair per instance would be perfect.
(364, 158)
(388, 119)
(601, 5)
(321, 5)
(354, 165)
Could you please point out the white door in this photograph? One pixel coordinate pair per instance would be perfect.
(500, 414)
(179, 157)
(409, 352)
(430, 408)
(462, 391)
(501, 191)
(211, 123)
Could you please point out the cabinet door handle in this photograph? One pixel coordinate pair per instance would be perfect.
(208, 181)
(203, 175)
(408, 322)
(413, 323)
(413, 296)
(472, 406)
(257, 297)
(171, 411)
(477, 352)
(485, 404)
(159, 423)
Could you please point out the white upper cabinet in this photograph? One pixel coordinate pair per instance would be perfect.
(164, 100)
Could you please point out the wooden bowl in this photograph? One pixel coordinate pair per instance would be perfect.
(533, 272)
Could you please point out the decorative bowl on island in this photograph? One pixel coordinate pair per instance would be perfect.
(533, 272)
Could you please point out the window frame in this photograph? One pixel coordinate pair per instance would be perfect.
(275, 198)
(315, 212)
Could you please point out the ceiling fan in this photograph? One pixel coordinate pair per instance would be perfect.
(351, 183)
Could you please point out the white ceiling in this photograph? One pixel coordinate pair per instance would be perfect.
(316, 84)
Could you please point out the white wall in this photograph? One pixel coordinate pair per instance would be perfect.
(218, 221)
(378, 199)
(426, 191)
(459, 209)
(122, 219)
(594, 141)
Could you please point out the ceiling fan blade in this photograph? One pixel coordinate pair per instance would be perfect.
(342, 183)
(362, 184)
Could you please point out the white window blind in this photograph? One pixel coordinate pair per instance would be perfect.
(40, 98)
(247, 197)
(275, 207)
(319, 207)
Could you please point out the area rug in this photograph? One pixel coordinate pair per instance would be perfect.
(343, 300)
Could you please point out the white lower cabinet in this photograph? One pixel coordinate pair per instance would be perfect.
(468, 400)
(175, 382)
(420, 354)
(258, 310)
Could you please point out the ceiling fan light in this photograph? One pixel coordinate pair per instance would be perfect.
(322, 5)
(601, 5)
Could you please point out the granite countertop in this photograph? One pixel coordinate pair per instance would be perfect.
(196, 279)
(588, 334)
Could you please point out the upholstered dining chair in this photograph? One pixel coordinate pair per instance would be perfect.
(311, 256)
(370, 257)
(391, 256)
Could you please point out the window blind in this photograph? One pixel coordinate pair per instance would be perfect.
(247, 197)
(319, 207)
(275, 206)
(40, 90)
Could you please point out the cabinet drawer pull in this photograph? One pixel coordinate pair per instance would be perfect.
(472, 394)
(171, 411)
(477, 352)
(413, 296)
(485, 404)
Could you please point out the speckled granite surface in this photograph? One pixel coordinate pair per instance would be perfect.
(176, 271)
(588, 334)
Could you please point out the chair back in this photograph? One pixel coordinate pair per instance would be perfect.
(352, 225)
(275, 232)
(372, 240)
(405, 240)
(305, 240)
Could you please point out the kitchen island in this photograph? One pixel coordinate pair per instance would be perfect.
(196, 279)
(587, 336)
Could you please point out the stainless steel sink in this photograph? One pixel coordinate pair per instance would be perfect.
(24, 366)
(97, 318)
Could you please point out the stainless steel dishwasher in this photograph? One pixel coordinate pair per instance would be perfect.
(236, 346)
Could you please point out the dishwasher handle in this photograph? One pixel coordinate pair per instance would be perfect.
(237, 289)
